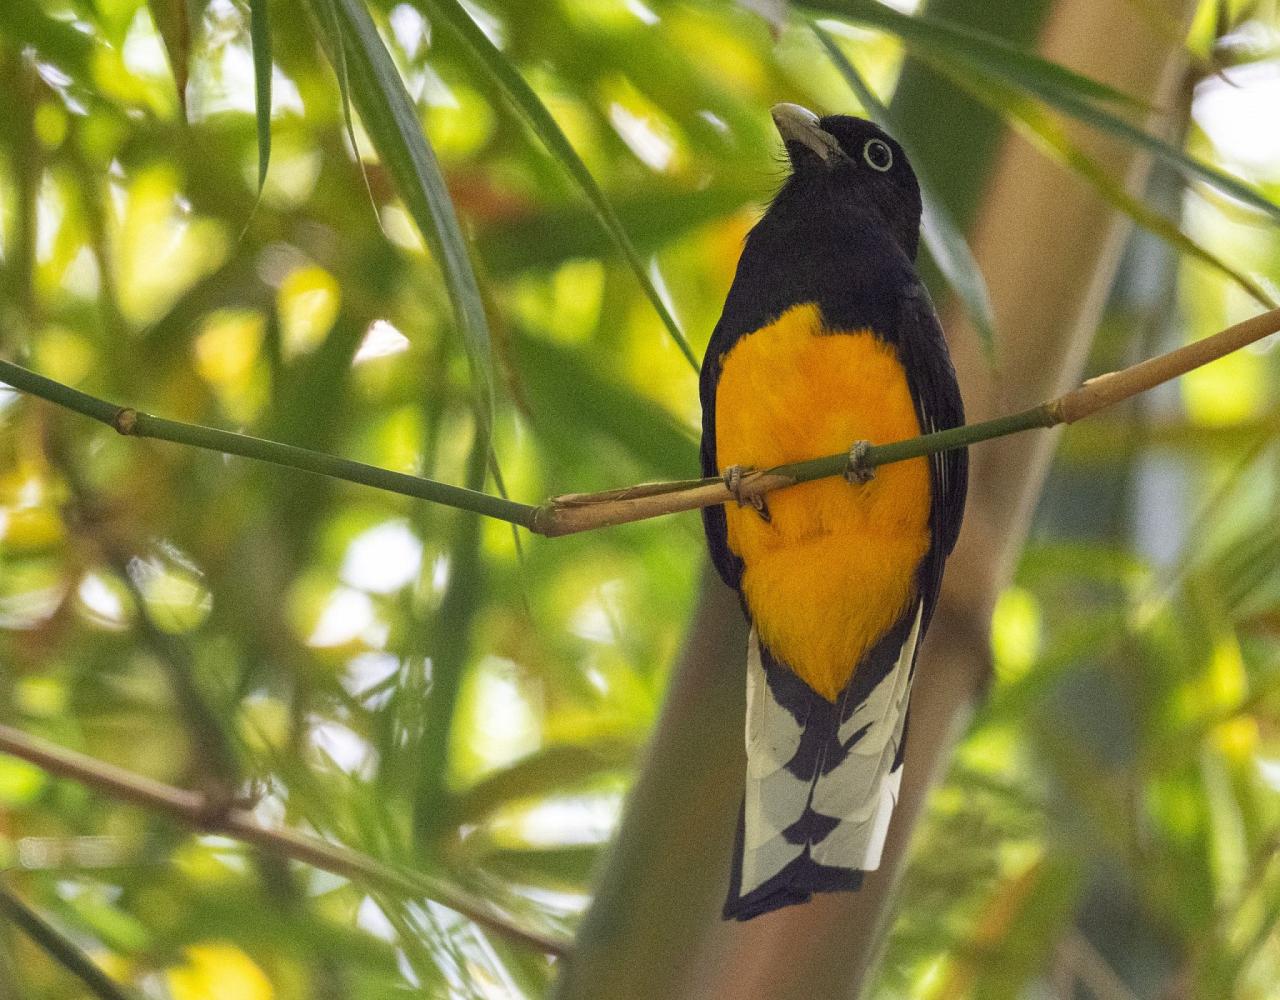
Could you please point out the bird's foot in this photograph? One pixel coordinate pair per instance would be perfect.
(856, 471)
(733, 483)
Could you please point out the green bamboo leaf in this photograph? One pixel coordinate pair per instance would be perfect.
(1172, 155)
(376, 90)
(1227, 827)
(488, 58)
(936, 38)
(338, 53)
(1053, 141)
(951, 48)
(171, 20)
(544, 774)
(23, 22)
(449, 648)
(946, 243)
(260, 36)
(59, 947)
(570, 866)
(601, 408)
(368, 77)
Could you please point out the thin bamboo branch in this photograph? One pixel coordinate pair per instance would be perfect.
(575, 512)
(1090, 969)
(135, 423)
(59, 947)
(195, 810)
(581, 512)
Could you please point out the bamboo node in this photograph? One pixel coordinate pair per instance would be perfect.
(125, 420)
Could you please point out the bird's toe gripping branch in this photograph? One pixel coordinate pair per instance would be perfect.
(733, 483)
(856, 471)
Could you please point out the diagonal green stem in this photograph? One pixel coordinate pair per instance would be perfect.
(59, 947)
(135, 423)
(926, 444)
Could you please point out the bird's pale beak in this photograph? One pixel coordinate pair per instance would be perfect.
(800, 125)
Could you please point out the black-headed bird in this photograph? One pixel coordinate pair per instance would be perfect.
(829, 341)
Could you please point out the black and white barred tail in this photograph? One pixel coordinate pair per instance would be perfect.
(822, 777)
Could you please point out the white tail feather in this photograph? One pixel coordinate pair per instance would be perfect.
(862, 790)
(775, 798)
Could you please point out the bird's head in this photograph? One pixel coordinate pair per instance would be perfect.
(846, 165)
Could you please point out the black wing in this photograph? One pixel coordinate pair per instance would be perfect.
(726, 563)
(932, 379)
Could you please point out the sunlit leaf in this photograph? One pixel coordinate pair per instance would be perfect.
(953, 43)
(490, 59)
(171, 19)
(388, 115)
(218, 971)
(260, 37)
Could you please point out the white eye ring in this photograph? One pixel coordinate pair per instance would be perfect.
(878, 155)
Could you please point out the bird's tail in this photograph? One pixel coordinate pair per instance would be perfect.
(822, 777)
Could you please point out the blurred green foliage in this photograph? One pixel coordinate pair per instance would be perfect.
(413, 683)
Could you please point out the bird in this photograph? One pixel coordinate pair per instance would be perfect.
(828, 341)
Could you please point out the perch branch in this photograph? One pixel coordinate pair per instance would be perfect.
(575, 512)
(581, 512)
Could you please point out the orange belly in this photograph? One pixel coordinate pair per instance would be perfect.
(835, 567)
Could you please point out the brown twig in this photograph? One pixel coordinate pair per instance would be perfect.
(192, 809)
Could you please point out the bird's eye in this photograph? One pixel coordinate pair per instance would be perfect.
(878, 155)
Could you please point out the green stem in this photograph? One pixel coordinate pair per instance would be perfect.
(926, 444)
(896, 451)
(548, 519)
(135, 423)
(60, 948)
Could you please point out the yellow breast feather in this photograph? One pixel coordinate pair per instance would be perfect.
(835, 566)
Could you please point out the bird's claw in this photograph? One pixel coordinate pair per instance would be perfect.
(733, 483)
(856, 472)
